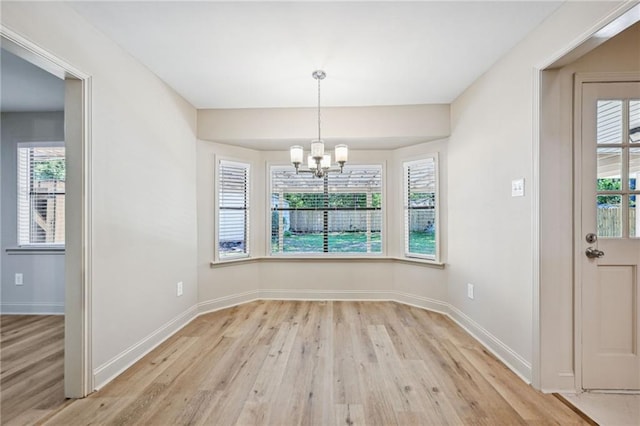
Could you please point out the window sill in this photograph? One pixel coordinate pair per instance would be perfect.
(30, 250)
(323, 258)
(417, 261)
(230, 262)
(315, 259)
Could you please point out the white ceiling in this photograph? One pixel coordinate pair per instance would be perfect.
(25, 87)
(261, 54)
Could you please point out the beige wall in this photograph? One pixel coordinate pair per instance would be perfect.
(362, 127)
(143, 187)
(491, 237)
(620, 54)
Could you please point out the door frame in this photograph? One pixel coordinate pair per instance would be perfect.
(78, 376)
(579, 80)
(609, 26)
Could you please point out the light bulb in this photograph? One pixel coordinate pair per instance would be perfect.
(326, 161)
(317, 149)
(342, 153)
(297, 154)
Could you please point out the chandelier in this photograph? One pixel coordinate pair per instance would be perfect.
(318, 162)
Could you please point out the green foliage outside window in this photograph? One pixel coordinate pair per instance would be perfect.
(613, 184)
(49, 170)
(311, 200)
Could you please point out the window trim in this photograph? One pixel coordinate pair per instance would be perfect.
(216, 226)
(330, 255)
(405, 243)
(30, 246)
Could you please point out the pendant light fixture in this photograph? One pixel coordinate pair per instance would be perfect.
(318, 162)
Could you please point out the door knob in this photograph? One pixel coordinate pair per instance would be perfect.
(593, 253)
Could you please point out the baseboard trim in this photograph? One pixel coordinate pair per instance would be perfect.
(504, 353)
(335, 295)
(227, 301)
(125, 359)
(356, 295)
(427, 303)
(31, 309)
(565, 383)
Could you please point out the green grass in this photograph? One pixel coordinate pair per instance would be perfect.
(350, 242)
(422, 242)
(339, 242)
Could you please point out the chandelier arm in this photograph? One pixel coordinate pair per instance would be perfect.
(315, 171)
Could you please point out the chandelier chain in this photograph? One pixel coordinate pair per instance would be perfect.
(319, 134)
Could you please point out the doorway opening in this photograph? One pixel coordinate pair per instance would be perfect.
(71, 178)
(33, 237)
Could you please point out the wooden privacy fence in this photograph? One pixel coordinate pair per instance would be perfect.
(355, 221)
(311, 221)
(610, 221)
(47, 211)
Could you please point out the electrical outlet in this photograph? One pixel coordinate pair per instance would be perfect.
(470, 290)
(179, 289)
(19, 279)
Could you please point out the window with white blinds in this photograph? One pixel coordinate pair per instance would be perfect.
(420, 208)
(233, 210)
(41, 194)
(339, 213)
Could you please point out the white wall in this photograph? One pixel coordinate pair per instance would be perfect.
(143, 187)
(490, 233)
(620, 54)
(43, 274)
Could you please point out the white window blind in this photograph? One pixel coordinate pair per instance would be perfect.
(233, 209)
(420, 218)
(340, 213)
(41, 194)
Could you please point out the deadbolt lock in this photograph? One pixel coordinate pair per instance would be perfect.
(591, 238)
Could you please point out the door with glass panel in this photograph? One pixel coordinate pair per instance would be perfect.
(609, 241)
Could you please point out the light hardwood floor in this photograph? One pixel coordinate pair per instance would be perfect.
(32, 369)
(323, 363)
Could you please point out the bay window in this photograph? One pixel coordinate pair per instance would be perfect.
(340, 213)
(233, 210)
(421, 208)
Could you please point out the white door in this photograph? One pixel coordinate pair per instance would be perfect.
(610, 152)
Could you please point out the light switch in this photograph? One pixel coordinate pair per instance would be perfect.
(517, 187)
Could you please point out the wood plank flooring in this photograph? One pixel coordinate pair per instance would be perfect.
(323, 363)
(32, 367)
